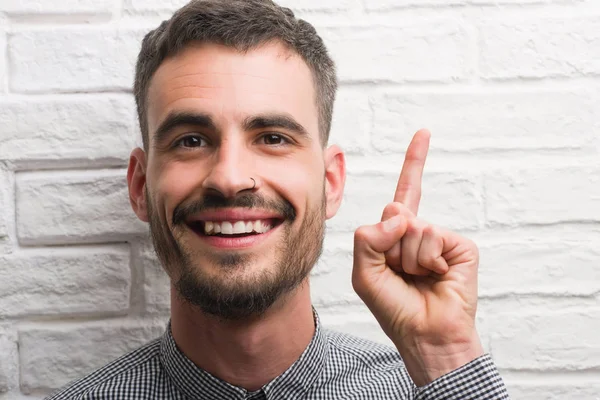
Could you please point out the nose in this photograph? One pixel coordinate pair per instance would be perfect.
(231, 172)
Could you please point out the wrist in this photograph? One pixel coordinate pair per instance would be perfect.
(426, 362)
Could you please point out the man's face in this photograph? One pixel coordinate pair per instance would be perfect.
(235, 181)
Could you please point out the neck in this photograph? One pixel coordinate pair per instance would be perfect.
(248, 353)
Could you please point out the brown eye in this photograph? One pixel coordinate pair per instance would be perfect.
(273, 139)
(191, 142)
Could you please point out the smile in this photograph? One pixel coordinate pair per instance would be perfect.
(234, 228)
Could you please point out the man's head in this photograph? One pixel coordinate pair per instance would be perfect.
(243, 25)
(235, 100)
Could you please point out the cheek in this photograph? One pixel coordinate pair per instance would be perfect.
(299, 181)
(173, 183)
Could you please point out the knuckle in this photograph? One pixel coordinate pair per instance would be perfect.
(427, 259)
(414, 227)
(431, 230)
(360, 233)
(392, 209)
(396, 208)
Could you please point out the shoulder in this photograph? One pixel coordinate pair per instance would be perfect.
(371, 355)
(122, 378)
(360, 368)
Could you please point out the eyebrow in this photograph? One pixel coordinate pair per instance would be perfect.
(175, 119)
(274, 121)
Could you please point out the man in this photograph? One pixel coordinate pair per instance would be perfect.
(236, 181)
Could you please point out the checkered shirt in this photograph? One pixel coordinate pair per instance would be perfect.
(334, 366)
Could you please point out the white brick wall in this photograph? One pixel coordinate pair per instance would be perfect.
(510, 89)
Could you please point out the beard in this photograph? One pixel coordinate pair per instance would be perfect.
(231, 294)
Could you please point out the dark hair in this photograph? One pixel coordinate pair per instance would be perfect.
(243, 25)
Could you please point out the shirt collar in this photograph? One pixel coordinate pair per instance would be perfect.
(197, 383)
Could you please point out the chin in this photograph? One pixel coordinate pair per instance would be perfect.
(233, 289)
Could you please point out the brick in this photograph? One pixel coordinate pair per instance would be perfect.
(473, 121)
(354, 320)
(351, 123)
(135, 6)
(516, 306)
(63, 7)
(8, 363)
(383, 5)
(331, 279)
(537, 48)
(89, 206)
(144, 6)
(553, 390)
(51, 357)
(543, 267)
(542, 196)
(310, 5)
(59, 129)
(157, 286)
(520, 2)
(448, 200)
(17, 395)
(5, 203)
(3, 61)
(487, 310)
(424, 51)
(61, 281)
(73, 59)
(542, 339)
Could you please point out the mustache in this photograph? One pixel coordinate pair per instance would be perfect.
(246, 200)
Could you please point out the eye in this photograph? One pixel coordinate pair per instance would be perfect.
(274, 139)
(191, 142)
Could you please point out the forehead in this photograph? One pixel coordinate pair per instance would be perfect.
(230, 85)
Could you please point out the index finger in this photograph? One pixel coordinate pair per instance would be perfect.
(408, 190)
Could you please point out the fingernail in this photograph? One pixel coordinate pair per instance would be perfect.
(392, 223)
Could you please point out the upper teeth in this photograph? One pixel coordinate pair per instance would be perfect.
(236, 227)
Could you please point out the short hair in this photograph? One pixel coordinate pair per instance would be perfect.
(242, 25)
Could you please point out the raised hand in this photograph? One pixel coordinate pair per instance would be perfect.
(419, 280)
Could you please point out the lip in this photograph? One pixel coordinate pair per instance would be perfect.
(235, 243)
(234, 214)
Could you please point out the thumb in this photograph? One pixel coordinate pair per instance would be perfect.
(370, 244)
(371, 241)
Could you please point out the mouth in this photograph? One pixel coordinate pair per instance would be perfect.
(234, 229)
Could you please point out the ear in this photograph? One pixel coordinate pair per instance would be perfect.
(335, 179)
(136, 181)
